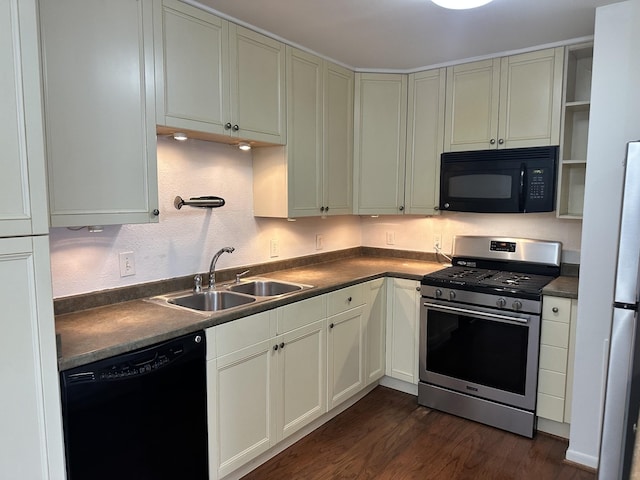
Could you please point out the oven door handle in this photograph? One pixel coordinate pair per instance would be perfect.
(475, 313)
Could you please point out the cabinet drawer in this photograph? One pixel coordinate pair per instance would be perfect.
(244, 332)
(552, 383)
(553, 358)
(344, 299)
(550, 407)
(556, 308)
(299, 314)
(555, 334)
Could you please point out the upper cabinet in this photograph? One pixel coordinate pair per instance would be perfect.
(312, 174)
(399, 139)
(23, 201)
(507, 102)
(380, 142)
(575, 130)
(215, 79)
(99, 110)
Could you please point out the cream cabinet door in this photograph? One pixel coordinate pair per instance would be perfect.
(472, 97)
(302, 377)
(425, 137)
(304, 129)
(345, 357)
(530, 99)
(192, 65)
(374, 330)
(99, 99)
(337, 171)
(379, 144)
(242, 393)
(31, 445)
(257, 86)
(23, 202)
(403, 313)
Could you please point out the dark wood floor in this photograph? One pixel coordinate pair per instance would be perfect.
(388, 436)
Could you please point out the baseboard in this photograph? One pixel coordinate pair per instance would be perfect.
(577, 458)
(550, 427)
(399, 385)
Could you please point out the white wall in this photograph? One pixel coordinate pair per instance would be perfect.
(614, 120)
(184, 240)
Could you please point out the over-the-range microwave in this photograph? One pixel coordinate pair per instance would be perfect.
(499, 181)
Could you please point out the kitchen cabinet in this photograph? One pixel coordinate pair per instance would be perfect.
(403, 314)
(575, 130)
(23, 181)
(507, 102)
(374, 330)
(312, 174)
(215, 79)
(557, 343)
(425, 139)
(379, 143)
(99, 111)
(345, 343)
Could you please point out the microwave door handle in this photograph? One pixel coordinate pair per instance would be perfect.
(521, 191)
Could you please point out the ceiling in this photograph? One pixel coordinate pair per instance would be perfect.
(409, 34)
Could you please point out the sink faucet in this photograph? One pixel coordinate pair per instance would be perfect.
(212, 267)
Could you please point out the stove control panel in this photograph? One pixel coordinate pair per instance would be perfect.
(502, 246)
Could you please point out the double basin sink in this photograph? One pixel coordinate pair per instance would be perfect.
(234, 295)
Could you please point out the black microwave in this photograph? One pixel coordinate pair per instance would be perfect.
(499, 181)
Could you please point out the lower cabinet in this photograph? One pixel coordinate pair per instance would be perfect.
(557, 342)
(403, 313)
(375, 310)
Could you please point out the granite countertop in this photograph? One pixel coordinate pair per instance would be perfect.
(97, 333)
(562, 287)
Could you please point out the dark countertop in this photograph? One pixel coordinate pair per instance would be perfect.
(562, 287)
(102, 332)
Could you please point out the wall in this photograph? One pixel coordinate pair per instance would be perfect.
(185, 240)
(614, 120)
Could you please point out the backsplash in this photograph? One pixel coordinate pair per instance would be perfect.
(184, 241)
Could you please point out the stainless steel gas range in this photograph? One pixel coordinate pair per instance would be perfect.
(480, 330)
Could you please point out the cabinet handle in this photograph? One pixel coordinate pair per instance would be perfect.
(282, 345)
(331, 325)
(275, 347)
(554, 309)
(227, 126)
(236, 128)
(401, 208)
(156, 212)
(501, 141)
(492, 141)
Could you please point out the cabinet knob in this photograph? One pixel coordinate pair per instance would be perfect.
(236, 128)
(436, 208)
(501, 141)
(322, 209)
(275, 347)
(326, 209)
(155, 212)
(282, 345)
(349, 299)
(227, 126)
(401, 208)
(331, 325)
(555, 310)
(418, 289)
(492, 141)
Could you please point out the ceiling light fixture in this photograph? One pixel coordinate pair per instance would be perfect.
(244, 146)
(181, 137)
(460, 4)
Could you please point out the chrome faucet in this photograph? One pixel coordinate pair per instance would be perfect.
(212, 267)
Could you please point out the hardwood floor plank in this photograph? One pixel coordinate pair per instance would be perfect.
(387, 435)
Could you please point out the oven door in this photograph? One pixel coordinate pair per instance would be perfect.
(483, 352)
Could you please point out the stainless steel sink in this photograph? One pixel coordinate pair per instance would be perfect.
(211, 301)
(265, 288)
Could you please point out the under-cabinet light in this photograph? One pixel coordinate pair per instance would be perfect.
(95, 228)
(244, 146)
(460, 4)
(180, 136)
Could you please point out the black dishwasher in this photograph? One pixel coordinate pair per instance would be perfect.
(141, 415)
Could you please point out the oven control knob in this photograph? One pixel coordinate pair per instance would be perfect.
(517, 305)
(452, 294)
(438, 292)
(501, 302)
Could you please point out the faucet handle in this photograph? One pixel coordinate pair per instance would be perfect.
(241, 274)
(197, 283)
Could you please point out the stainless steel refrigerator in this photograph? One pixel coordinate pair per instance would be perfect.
(622, 398)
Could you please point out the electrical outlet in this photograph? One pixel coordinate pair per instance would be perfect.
(391, 238)
(319, 242)
(437, 241)
(274, 248)
(127, 264)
